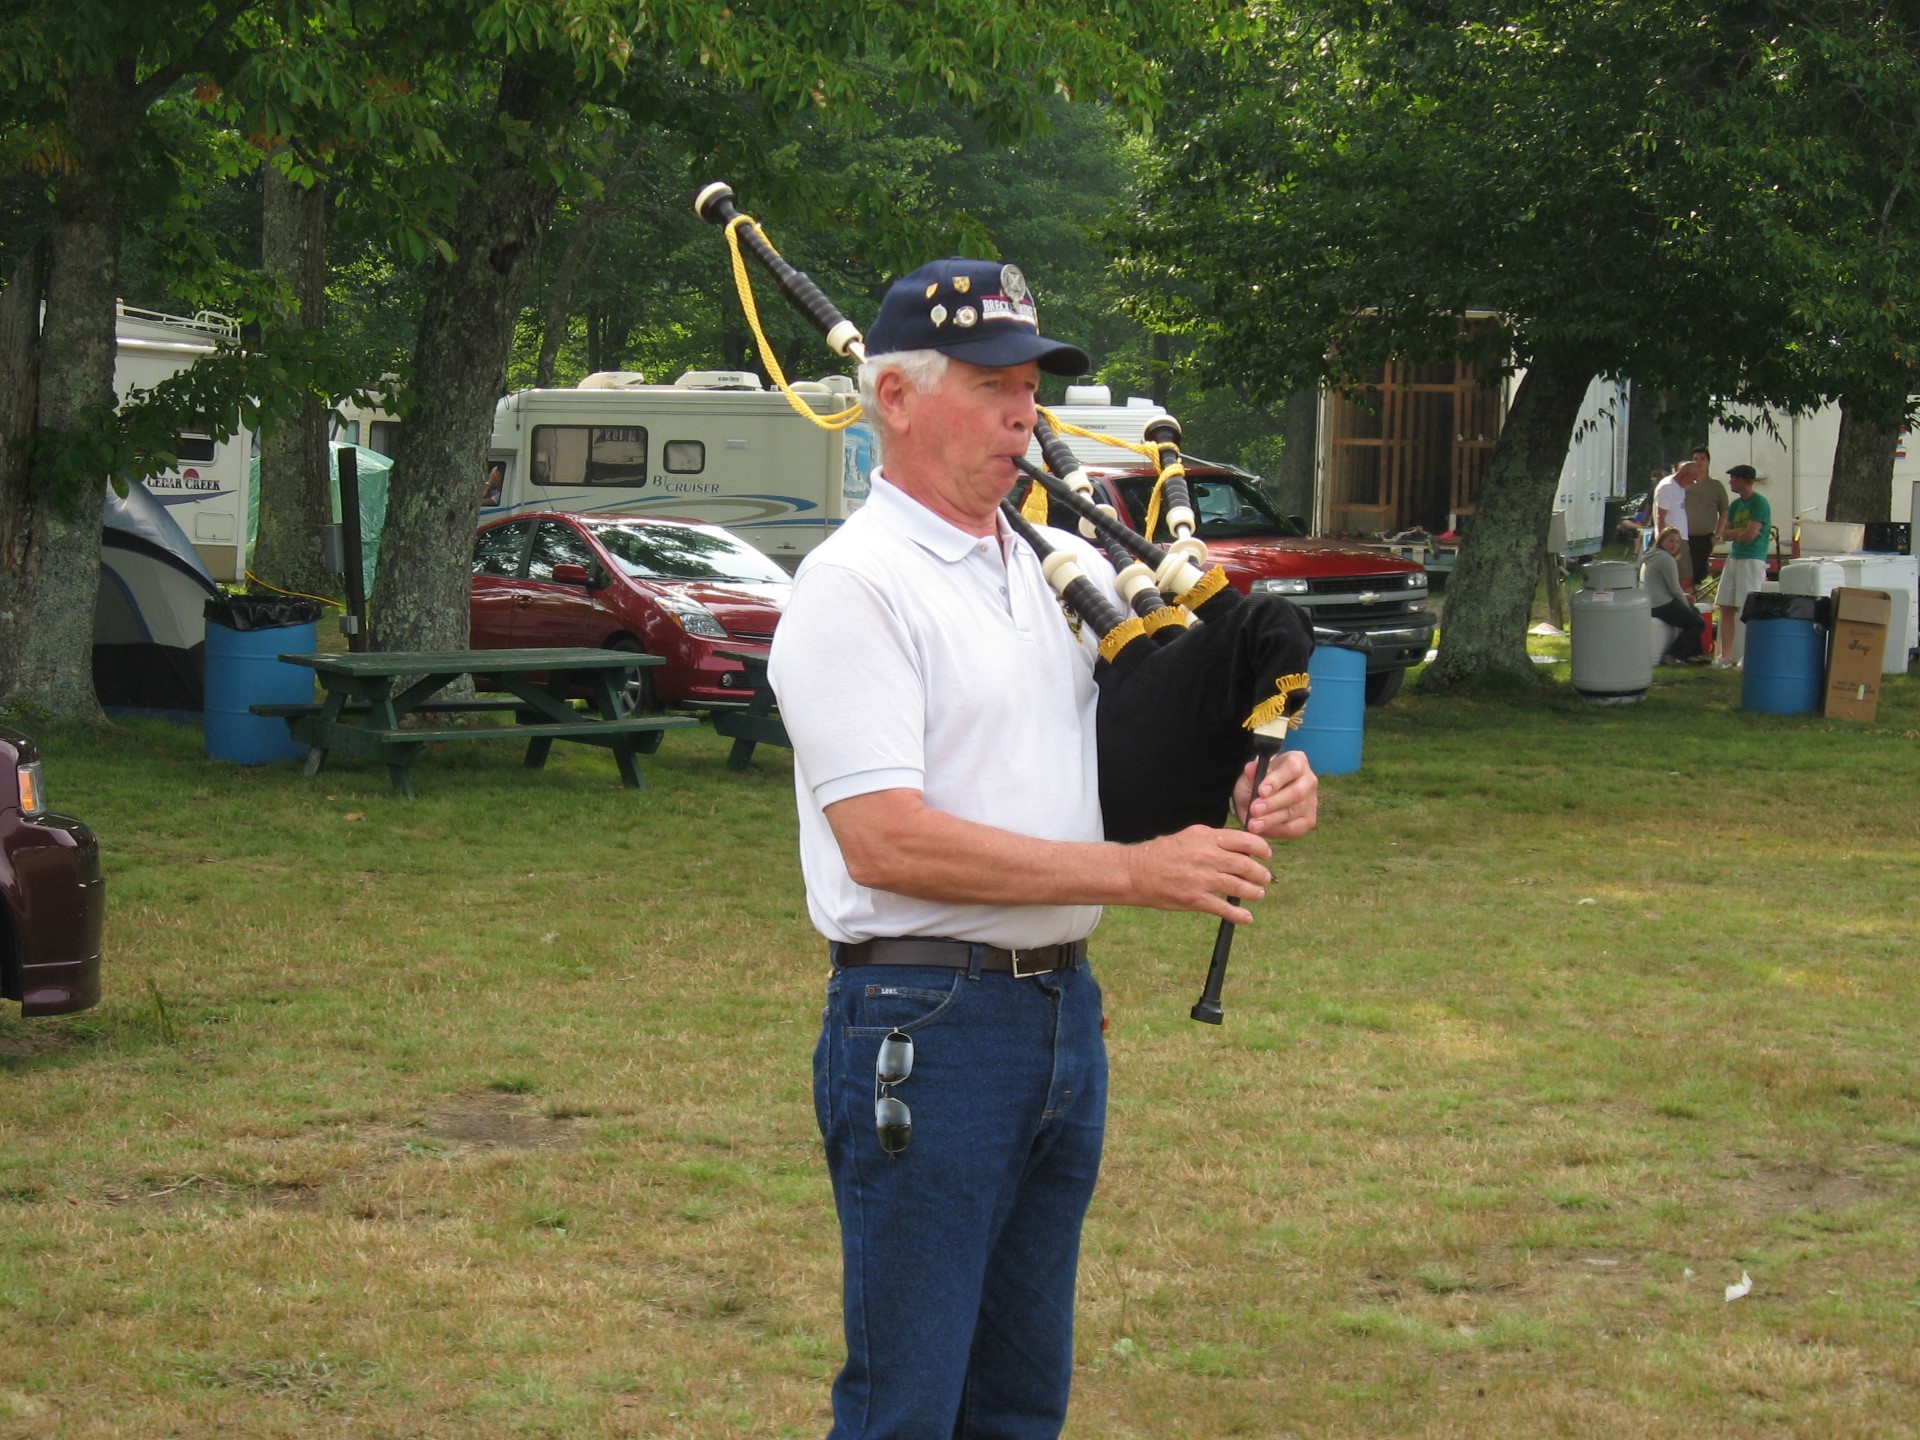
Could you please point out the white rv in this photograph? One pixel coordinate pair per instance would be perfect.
(207, 493)
(712, 446)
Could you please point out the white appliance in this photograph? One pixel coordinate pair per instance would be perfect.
(1898, 575)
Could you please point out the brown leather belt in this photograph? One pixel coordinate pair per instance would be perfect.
(958, 955)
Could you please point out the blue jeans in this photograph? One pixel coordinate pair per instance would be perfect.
(959, 1253)
(1684, 618)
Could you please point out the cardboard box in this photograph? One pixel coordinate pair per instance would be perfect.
(1860, 622)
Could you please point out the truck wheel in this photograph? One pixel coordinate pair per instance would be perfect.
(636, 695)
(1383, 685)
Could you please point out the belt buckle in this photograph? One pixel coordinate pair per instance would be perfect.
(1023, 974)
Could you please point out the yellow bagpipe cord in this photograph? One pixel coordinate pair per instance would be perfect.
(839, 420)
(1139, 447)
(1033, 509)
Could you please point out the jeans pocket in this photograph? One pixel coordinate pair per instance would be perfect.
(885, 998)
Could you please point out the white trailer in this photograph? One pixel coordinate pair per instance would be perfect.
(1594, 471)
(713, 446)
(1794, 455)
(207, 492)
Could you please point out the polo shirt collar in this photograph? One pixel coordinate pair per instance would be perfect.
(940, 538)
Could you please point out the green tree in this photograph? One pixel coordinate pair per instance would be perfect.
(1820, 107)
(91, 108)
(543, 80)
(1353, 178)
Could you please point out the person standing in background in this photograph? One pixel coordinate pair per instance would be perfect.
(1749, 522)
(1706, 512)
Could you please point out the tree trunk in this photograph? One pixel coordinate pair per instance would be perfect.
(583, 244)
(460, 370)
(296, 496)
(19, 404)
(53, 560)
(596, 338)
(1862, 486)
(1490, 593)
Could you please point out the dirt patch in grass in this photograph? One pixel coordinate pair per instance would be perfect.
(1797, 1190)
(206, 1189)
(502, 1122)
(26, 1044)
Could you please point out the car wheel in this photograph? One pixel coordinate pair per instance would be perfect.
(1383, 685)
(636, 694)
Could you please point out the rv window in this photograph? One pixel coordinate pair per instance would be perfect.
(496, 550)
(383, 436)
(194, 449)
(590, 455)
(685, 457)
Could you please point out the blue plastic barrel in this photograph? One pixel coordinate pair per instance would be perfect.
(244, 669)
(1782, 667)
(1331, 725)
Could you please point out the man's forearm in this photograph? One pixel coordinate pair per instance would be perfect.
(893, 840)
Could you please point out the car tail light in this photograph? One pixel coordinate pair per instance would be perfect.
(32, 796)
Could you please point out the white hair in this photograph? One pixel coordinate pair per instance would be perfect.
(922, 369)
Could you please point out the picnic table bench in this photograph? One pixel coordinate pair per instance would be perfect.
(364, 705)
(759, 723)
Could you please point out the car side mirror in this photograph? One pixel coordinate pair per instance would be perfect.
(564, 574)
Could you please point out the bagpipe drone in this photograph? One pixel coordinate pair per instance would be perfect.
(1194, 677)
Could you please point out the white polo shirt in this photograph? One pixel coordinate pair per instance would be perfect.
(1671, 496)
(911, 658)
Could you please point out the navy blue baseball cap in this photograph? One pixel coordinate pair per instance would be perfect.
(979, 311)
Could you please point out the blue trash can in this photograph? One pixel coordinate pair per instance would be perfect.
(246, 634)
(1784, 654)
(1331, 727)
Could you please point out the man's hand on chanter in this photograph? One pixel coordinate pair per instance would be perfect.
(1288, 805)
(1199, 869)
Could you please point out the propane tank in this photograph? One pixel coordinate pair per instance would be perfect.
(1612, 616)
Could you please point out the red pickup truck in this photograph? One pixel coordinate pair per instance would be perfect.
(1344, 588)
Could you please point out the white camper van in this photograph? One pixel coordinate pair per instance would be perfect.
(207, 494)
(714, 446)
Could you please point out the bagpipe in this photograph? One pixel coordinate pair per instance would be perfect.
(1194, 677)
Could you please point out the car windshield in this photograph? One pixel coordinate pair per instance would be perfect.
(1228, 508)
(685, 552)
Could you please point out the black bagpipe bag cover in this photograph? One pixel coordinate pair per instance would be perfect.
(1172, 718)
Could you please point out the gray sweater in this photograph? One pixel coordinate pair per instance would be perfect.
(1660, 578)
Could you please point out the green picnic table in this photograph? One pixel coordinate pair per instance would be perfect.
(364, 703)
(759, 723)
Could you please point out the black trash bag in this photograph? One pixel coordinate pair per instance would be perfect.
(261, 612)
(1343, 639)
(1771, 605)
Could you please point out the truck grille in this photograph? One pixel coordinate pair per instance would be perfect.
(1394, 584)
(1337, 614)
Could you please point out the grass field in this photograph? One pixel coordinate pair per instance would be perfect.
(487, 1114)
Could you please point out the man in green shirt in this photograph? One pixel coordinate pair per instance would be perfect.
(1748, 524)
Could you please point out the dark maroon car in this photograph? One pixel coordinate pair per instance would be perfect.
(674, 588)
(55, 897)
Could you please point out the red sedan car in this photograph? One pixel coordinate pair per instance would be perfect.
(673, 588)
(52, 895)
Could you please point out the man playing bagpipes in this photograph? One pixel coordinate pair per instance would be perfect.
(942, 709)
